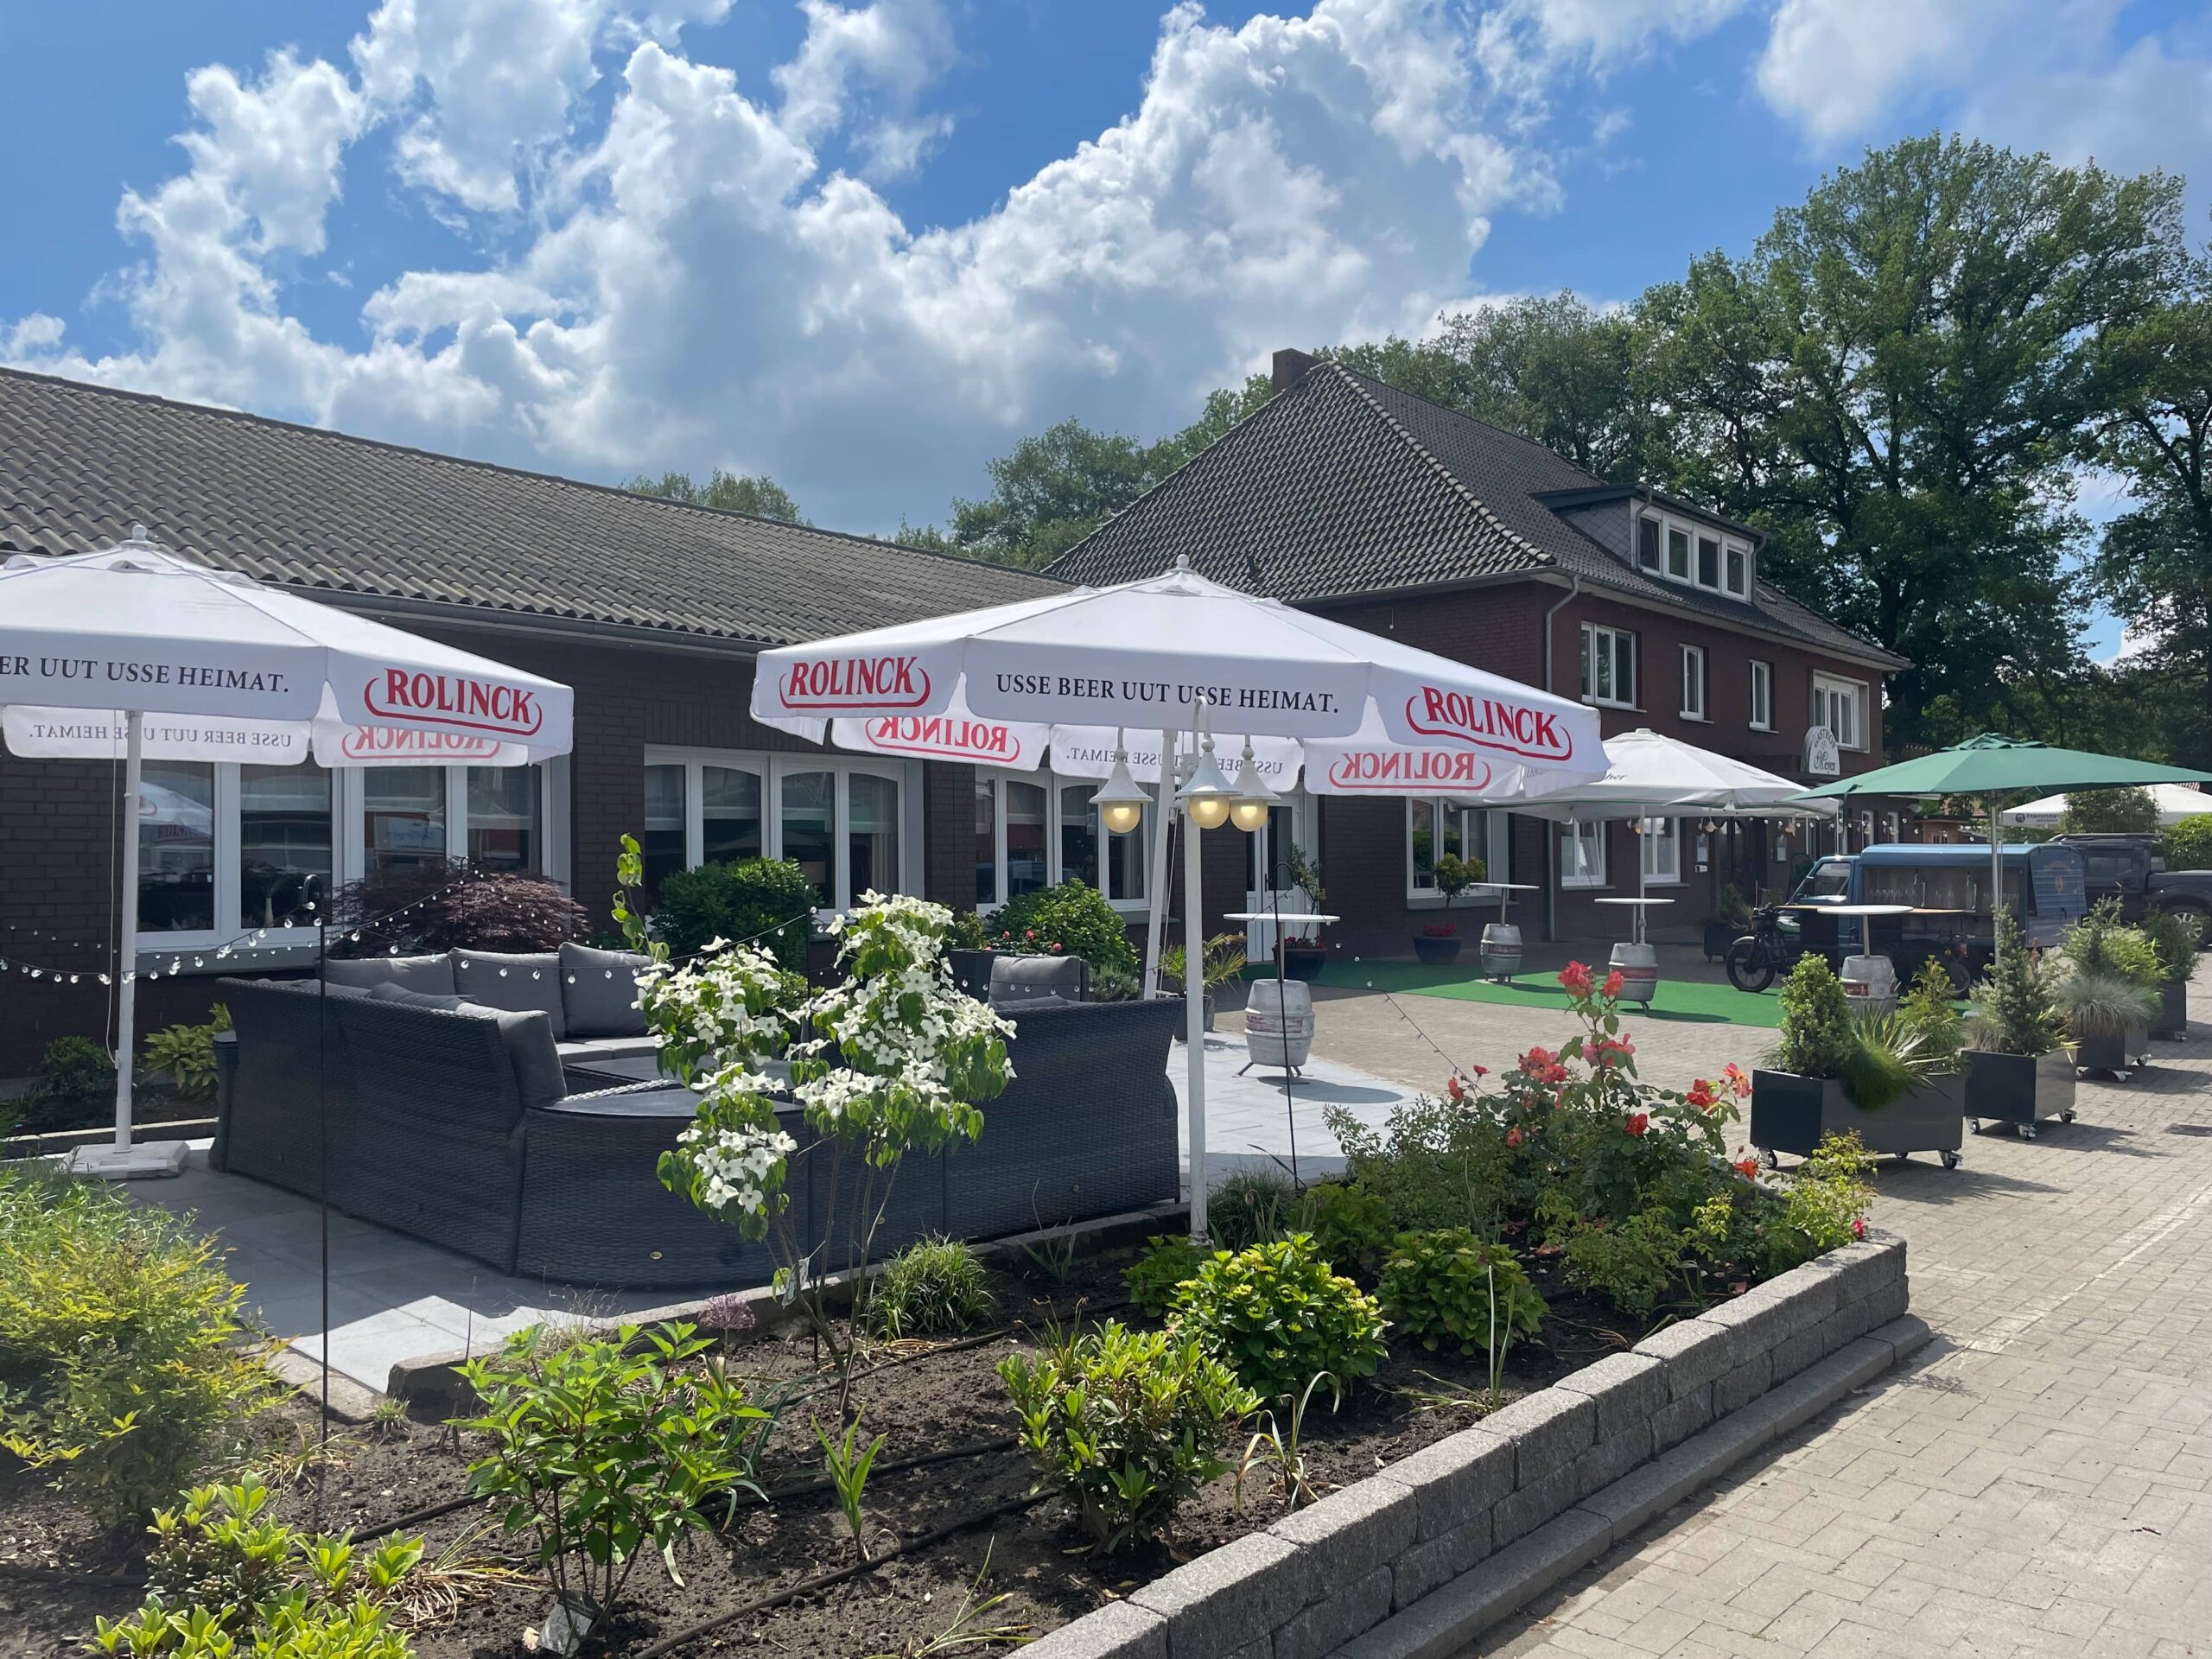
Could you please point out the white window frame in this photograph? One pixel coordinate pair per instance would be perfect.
(1658, 523)
(1496, 853)
(1592, 634)
(1762, 696)
(774, 768)
(1655, 835)
(1696, 669)
(1053, 783)
(1691, 531)
(1586, 866)
(1736, 544)
(1827, 687)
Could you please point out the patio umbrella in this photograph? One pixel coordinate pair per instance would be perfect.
(2177, 803)
(132, 652)
(1993, 767)
(1177, 653)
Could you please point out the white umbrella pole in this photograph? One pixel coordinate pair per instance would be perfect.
(1156, 910)
(1194, 1023)
(126, 998)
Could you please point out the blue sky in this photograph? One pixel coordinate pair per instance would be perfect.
(865, 246)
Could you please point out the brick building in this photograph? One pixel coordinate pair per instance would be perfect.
(1341, 495)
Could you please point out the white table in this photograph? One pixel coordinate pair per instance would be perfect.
(1641, 904)
(1505, 892)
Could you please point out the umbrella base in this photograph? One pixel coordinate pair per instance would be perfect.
(149, 1161)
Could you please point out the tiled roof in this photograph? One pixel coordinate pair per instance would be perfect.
(1342, 485)
(298, 506)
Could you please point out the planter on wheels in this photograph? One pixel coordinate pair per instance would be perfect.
(1436, 949)
(2119, 1055)
(1718, 936)
(2019, 1089)
(1302, 960)
(1790, 1114)
(2173, 1024)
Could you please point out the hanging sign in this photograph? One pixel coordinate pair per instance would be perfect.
(1823, 759)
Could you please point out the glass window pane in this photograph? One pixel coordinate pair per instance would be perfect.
(1678, 553)
(283, 844)
(872, 837)
(810, 830)
(502, 817)
(176, 847)
(1078, 833)
(729, 806)
(1738, 568)
(1647, 543)
(1624, 667)
(987, 843)
(403, 818)
(663, 841)
(1420, 820)
(1708, 562)
(1128, 860)
(1604, 654)
(1585, 660)
(1026, 867)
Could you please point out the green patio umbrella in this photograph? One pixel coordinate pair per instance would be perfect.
(1993, 767)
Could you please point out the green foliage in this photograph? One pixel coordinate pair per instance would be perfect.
(1170, 1261)
(966, 933)
(186, 1054)
(1305, 872)
(1111, 985)
(761, 497)
(73, 1073)
(223, 1578)
(2173, 942)
(1929, 1011)
(1275, 1315)
(934, 1288)
(1823, 1205)
(1351, 1227)
(1127, 1425)
(1449, 1286)
(848, 1464)
(1430, 1165)
(121, 1363)
(1629, 1263)
(2101, 943)
(2187, 845)
(1223, 961)
(1455, 874)
(1282, 1443)
(2012, 1008)
(1070, 920)
(603, 1449)
(1250, 1206)
(2100, 1005)
(768, 901)
(2109, 812)
(1817, 1039)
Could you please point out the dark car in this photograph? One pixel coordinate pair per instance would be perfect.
(2127, 868)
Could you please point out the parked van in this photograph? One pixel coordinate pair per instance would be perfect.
(1946, 886)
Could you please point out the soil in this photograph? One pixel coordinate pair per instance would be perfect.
(927, 1399)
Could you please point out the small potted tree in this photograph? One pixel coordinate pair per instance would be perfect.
(1730, 921)
(2017, 1069)
(1302, 959)
(2107, 990)
(2174, 942)
(1884, 1080)
(1437, 942)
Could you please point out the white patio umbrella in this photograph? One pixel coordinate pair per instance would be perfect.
(1178, 654)
(133, 653)
(2177, 803)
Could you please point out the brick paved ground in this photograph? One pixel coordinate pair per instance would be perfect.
(2038, 1482)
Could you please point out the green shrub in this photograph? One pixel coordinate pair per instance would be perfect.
(120, 1365)
(1351, 1225)
(186, 1054)
(934, 1288)
(1450, 1287)
(1276, 1315)
(1433, 1164)
(2173, 941)
(767, 901)
(2013, 1009)
(1111, 985)
(1629, 1263)
(1930, 1010)
(1250, 1206)
(1127, 1425)
(1823, 1205)
(1072, 917)
(2101, 943)
(605, 1449)
(966, 933)
(222, 1578)
(1170, 1261)
(74, 1073)
(2187, 845)
(1817, 1039)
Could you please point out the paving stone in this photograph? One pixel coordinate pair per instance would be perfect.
(1456, 1479)
(1549, 1429)
(1696, 1354)
(1626, 1388)
(1349, 1533)
(1436, 1626)
(1327, 1625)
(1213, 1605)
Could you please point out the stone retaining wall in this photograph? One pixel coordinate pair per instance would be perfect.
(1542, 1481)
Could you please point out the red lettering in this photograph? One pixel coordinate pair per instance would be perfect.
(475, 705)
(855, 683)
(1514, 727)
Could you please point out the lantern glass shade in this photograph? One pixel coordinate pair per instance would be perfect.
(1120, 804)
(1122, 817)
(1250, 813)
(1207, 796)
(1207, 811)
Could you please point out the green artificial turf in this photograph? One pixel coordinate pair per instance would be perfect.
(1680, 1000)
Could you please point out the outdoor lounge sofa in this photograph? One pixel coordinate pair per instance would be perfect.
(436, 1128)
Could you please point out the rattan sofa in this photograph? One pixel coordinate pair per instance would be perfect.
(428, 1133)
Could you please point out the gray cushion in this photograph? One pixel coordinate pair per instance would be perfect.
(522, 984)
(389, 992)
(430, 974)
(598, 990)
(528, 1034)
(1030, 1004)
(1015, 980)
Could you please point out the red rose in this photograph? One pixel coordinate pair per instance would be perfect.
(1613, 987)
(1748, 1168)
(1479, 1070)
(1513, 1137)
(1859, 1226)
(1451, 1087)
(1535, 1061)
(1702, 1095)
(1030, 934)
(1575, 976)
(1637, 1122)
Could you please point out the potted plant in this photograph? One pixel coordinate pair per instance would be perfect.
(1302, 959)
(1439, 942)
(2174, 943)
(968, 952)
(2107, 991)
(2017, 1068)
(1730, 921)
(1888, 1080)
(1223, 961)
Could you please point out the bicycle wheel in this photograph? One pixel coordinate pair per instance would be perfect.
(1750, 965)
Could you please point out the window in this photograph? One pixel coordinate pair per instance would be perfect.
(1840, 705)
(1708, 562)
(1582, 855)
(1040, 829)
(729, 814)
(1678, 553)
(841, 822)
(663, 844)
(810, 825)
(503, 833)
(176, 847)
(1434, 827)
(1608, 665)
(1648, 528)
(1661, 851)
(871, 835)
(403, 818)
(1694, 683)
(1762, 697)
(283, 844)
(1695, 555)
(1740, 571)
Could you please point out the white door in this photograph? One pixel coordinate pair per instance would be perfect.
(1292, 822)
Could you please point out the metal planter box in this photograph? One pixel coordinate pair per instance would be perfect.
(2120, 1055)
(1790, 1114)
(2022, 1088)
(2172, 1023)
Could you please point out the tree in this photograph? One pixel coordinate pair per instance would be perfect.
(2092, 812)
(1896, 384)
(760, 498)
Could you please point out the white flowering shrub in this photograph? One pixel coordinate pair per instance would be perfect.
(727, 1005)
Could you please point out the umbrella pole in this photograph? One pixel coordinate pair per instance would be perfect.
(126, 998)
(1156, 910)
(1996, 868)
(1194, 1022)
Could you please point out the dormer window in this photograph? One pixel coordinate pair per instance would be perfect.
(1647, 530)
(1740, 571)
(1694, 555)
(1678, 553)
(1708, 562)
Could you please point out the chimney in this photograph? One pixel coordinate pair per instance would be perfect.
(1290, 368)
